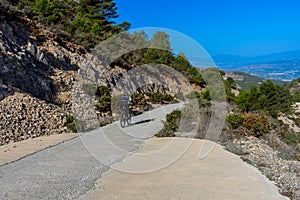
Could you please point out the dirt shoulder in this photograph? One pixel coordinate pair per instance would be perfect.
(15, 151)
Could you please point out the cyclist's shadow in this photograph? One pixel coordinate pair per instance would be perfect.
(142, 122)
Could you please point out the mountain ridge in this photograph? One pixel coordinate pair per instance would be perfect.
(284, 55)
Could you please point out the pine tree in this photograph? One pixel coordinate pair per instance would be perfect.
(94, 22)
(161, 40)
(140, 39)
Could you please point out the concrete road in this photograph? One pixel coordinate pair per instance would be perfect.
(70, 169)
(220, 176)
(159, 168)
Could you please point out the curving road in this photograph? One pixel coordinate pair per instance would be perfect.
(70, 169)
(167, 168)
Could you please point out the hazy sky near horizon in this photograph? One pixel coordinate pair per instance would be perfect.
(248, 28)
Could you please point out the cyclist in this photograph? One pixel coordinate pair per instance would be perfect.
(125, 101)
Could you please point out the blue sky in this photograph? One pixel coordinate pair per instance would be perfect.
(239, 27)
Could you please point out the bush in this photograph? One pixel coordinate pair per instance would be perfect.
(291, 138)
(104, 99)
(235, 120)
(104, 104)
(268, 96)
(70, 124)
(160, 98)
(256, 123)
(296, 97)
(171, 125)
(138, 99)
(205, 95)
(297, 122)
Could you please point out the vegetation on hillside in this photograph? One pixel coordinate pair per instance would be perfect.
(104, 99)
(161, 54)
(171, 125)
(267, 97)
(86, 22)
(245, 80)
(259, 109)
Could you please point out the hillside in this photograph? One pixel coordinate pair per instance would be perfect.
(39, 67)
(55, 78)
(36, 77)
(246, 80)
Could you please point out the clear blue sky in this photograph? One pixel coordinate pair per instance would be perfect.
(240, 27)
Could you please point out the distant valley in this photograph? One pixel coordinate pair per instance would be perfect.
(246, 80)
(280, 66)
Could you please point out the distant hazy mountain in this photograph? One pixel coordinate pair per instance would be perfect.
(280, 66)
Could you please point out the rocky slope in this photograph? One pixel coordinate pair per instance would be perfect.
(37, 72)
(35, 61)
(259, 153)
(23, 116)
(272, 154)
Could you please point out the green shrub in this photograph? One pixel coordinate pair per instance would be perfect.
(168, 98)
(103, 104)
(291, 138)
(268, 96)
(296, 97)
(173, 118)
(235, 120)
(103, 96)
(171, 125)
(103, 90)
(160, 98)
(297, 122)
(70, 124)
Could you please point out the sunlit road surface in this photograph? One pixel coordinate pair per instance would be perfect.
(70, 169)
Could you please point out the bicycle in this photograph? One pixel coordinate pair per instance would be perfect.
(125, 117)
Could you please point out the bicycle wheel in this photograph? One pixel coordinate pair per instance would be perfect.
(122, 119)
(128, 118)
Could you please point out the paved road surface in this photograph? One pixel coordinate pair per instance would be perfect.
(71, 169)
(219, 176)
(68, 170)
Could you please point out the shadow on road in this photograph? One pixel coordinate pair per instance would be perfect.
(142, 121)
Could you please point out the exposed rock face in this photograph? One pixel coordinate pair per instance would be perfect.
(37, 72)
(148, 78)
(34, 63)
